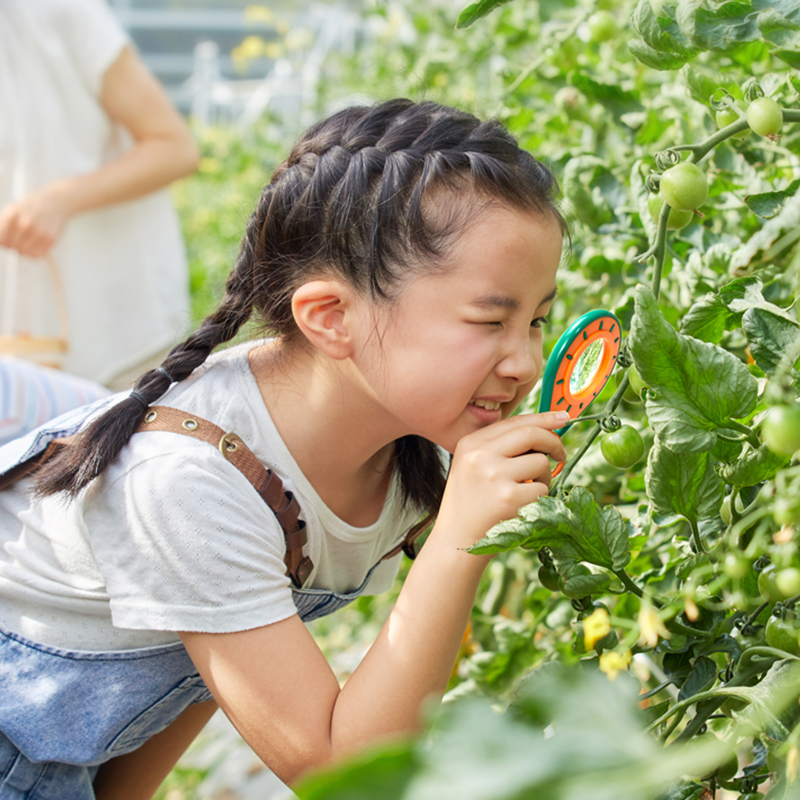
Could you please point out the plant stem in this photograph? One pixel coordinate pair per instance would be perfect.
(698, 542)
(754, 616)
(748, 433)
(628, 582)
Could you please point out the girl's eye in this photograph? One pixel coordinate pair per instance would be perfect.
(539, 321)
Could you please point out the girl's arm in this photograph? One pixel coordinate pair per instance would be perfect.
(137, 775)
(276, 686)
(163, 151)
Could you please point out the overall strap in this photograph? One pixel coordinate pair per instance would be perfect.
(268, 485)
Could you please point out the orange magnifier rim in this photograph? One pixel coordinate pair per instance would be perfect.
(580, 365)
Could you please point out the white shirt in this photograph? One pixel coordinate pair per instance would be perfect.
(124, 266)
(173, 537)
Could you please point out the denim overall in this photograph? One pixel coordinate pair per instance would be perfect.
(65, 712)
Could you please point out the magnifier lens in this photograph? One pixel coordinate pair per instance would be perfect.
(587, 367)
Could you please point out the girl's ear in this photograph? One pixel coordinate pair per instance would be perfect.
(325, 312)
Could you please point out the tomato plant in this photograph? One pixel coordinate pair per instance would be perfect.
(650, 123)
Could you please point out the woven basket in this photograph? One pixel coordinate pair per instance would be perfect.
(49, 351)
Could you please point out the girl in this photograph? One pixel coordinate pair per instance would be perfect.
(403, 259)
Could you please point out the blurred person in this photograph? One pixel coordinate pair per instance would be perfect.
(88, 141)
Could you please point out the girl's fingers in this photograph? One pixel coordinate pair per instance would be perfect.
(550, 420)
(522, 439)
(532, 467)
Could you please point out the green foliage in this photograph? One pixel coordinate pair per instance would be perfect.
(672, 547)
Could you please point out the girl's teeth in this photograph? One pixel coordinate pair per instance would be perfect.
(489, 405)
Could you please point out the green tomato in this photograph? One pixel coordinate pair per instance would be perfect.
(728, 768)
(727, 116)
(734, 566)
(623, 447)
(784, 634)
(767, 584)
(580, 569)
(548, 577)
(765, 117)
(603, 26)
(684, 186)
(787, 581)
(781, 429)
(676, 221)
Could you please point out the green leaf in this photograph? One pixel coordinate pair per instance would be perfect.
(702, 676)
(587, 584)
(617, 100)
(791, 57)
(656, 59)
(697, 387)
(474, 11)
(662, 33)
(578, 529)
(701, 86)
(778, 29)
(384, 774)
(754, 299)
(723, 28)
(787, 220)
(769, 337)
(753, 467)
(684, 791)
(685, 484)
(769, 204)
(707, 319)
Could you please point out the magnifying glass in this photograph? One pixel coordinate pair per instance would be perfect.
(579, 366)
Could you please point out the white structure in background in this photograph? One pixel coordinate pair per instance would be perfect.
(212, 93)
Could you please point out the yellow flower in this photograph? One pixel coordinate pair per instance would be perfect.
(612, 662)
(650, 626)
(595, 627)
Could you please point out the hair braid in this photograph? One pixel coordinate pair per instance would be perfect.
(72, 469)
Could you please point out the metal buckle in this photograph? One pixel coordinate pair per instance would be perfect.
(229, 444)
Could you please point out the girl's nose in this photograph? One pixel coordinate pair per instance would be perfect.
(519, 363)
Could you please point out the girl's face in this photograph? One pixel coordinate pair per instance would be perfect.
(460, 349)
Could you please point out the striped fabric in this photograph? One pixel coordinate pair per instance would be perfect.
(30, 395)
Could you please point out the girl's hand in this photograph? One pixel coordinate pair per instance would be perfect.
(494, 473)
(32, 225)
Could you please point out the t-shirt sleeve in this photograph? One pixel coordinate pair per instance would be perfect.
(184, 543)
(94, 37)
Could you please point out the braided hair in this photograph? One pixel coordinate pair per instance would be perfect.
(352, 199)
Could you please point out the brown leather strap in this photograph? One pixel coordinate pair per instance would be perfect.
(268, 485)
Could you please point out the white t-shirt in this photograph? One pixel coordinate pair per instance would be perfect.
(173, 537)
(123, 267)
